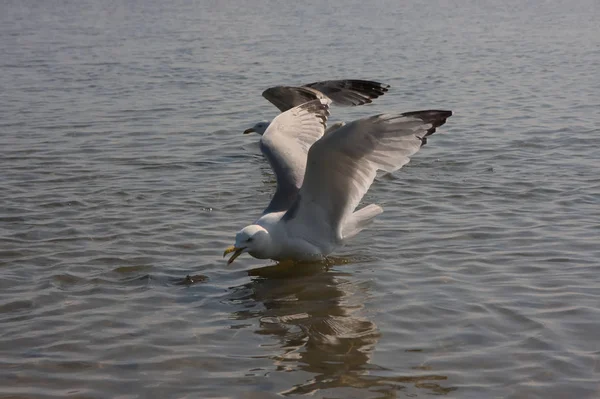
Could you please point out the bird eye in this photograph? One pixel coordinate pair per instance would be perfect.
(250, 239)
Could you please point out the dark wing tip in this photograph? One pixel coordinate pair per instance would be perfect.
(369, 88)
(350, 92)
(434, 117)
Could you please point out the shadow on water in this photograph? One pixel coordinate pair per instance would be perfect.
(317, 317)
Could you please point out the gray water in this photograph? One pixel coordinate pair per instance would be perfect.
(123, 170)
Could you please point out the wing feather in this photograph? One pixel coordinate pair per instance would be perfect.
(288, 97)
(341, 92)
(286, 143)
(350, 92)
(343, 164)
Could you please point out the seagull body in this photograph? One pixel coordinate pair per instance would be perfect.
(271, 240)
(321, 178)
(341, 92)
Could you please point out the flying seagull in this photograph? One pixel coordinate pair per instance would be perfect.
(322, 178)
(340, 92)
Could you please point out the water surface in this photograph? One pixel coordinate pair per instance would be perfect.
(123, 170)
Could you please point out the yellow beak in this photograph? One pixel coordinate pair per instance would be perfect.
(249, 131)
(237, 252)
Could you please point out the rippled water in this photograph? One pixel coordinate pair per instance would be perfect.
(123, 170)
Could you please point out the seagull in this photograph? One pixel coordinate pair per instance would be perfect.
(349, 92)
(321, 178)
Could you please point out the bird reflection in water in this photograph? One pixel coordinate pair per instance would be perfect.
(317, 316)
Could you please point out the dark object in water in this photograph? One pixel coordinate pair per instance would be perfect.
(189, 280)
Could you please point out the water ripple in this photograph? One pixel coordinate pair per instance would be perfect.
(125, 174)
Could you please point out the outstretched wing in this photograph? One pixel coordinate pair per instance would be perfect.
(350, 92)
(341, 92)
(288, 97)
(286, 143)
(343, 164)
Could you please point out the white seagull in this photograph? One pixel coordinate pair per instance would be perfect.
(348, 92)
(322, 178)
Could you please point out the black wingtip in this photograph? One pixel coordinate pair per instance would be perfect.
(370, 88)
(350, 92)
(433, 116)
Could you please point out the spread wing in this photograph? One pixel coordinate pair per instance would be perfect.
(341, 92)
(343, 164)
(286, 143)
(350, 92)
(287, 97)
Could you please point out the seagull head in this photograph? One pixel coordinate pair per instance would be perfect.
(259, 128)
(253, 239)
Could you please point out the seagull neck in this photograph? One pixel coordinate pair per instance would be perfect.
(273, 238)
(263, 247)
